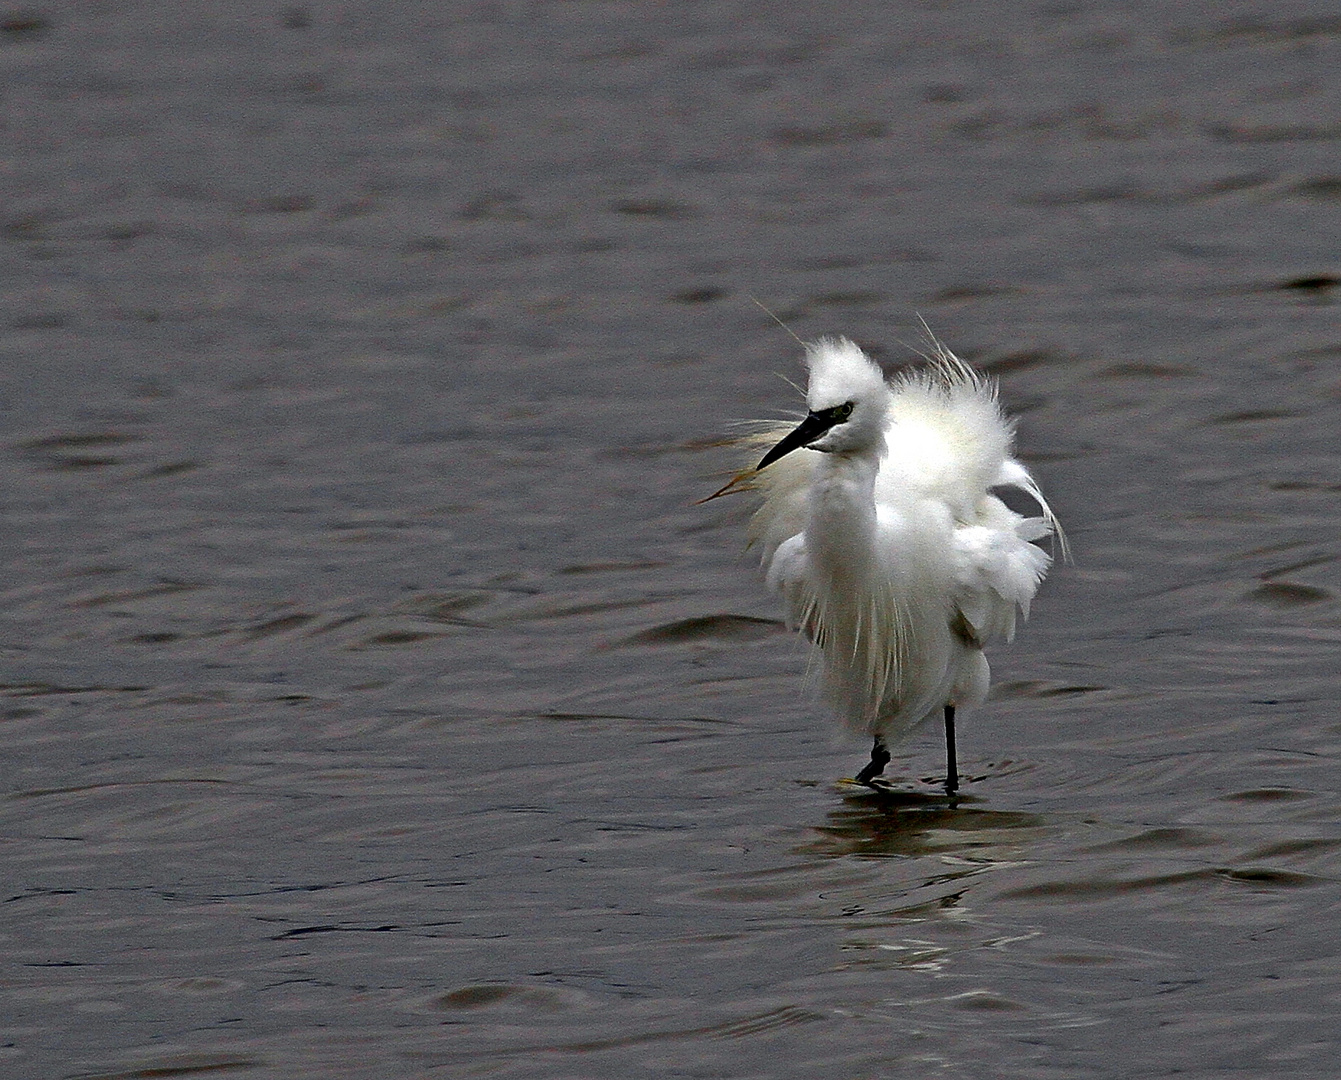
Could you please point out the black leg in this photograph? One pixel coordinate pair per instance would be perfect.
(874, 767)
(951, 766)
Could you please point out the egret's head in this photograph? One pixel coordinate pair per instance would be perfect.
(847, 399)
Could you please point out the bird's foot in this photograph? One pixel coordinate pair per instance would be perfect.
(874, 767)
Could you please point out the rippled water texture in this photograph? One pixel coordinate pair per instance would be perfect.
(377, 702)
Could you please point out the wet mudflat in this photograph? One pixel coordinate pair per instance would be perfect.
(376, 702)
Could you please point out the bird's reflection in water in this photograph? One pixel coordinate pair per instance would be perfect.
(892, 822)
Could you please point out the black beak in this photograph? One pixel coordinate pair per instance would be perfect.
(810, 429)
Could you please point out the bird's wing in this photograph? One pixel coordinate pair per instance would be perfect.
(996, 568)
(949, 444)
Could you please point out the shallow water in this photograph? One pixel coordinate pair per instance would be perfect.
(377, 702)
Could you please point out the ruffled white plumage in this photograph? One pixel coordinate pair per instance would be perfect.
(900, 600)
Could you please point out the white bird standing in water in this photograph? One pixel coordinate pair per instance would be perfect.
(881, 533)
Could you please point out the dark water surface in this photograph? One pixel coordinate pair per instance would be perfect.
(378, 704)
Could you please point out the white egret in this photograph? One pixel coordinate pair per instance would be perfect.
(880, 530)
